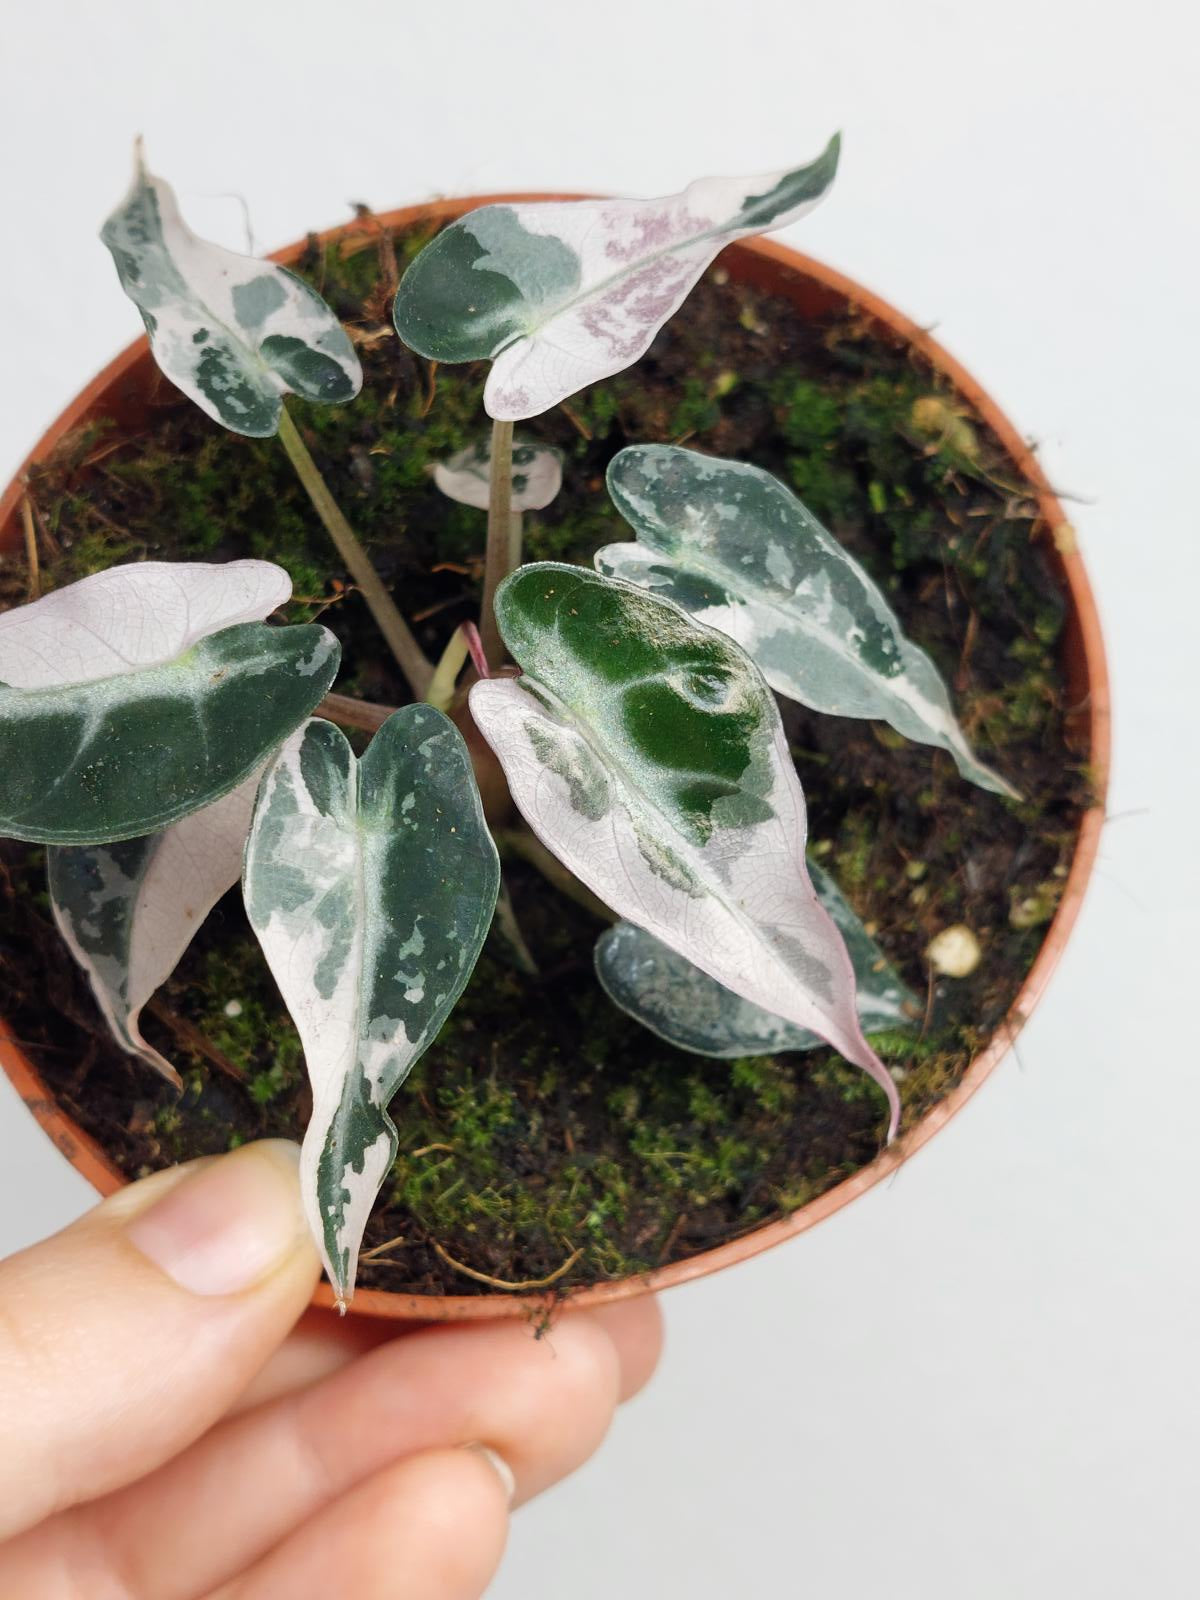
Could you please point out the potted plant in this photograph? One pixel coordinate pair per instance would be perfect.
(592, 1133)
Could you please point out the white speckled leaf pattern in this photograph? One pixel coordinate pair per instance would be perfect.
(692, 1011)
(647, 753)
(234, 333)
(559, 294)
(128, 911)
(138, 695)
(536, 475)
(371, 886)
(736, 549)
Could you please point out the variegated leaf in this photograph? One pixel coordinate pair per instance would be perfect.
(690, 1010)
(560, 294)
(234, 333)
(371, 886)
(646, 751)
(140, 694)
(536, 475)
(128, 911)
(736, 549)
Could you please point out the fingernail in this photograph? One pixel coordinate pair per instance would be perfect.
(499, 1466)
(228, 1225)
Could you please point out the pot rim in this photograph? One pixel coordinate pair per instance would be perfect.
(774, 264)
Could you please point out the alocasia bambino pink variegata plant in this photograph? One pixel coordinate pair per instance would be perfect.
(158, 733)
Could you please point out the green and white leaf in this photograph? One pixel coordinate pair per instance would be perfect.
(234, 333)
(736, 549)
(127, 912)
(559, 294)
(142, 693)
(690, 1010)
(536, 475)
(647, 753)
(371, 886)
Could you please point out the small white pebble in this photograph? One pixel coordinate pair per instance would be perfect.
(955, 952)
(233, 1008)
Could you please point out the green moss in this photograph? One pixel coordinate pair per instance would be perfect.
(698, 409)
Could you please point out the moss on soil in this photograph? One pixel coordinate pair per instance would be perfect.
(543, 1124)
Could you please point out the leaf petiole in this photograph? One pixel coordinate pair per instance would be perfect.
(503, 541)
(409, 656)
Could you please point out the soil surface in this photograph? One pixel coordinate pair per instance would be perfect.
(545, 1127)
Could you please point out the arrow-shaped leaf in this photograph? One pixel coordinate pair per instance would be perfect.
(234, 333)
(128, 911)
(536, 475)
(561, 294)
(736, 549)
(140, 694)
(370, 885)
(690, 1010)
(646, 751)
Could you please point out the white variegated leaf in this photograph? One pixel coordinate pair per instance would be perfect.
(234, 333)
(127, 912)
(140, 614)
(647, 752)
(690, 1010)
(140, 694)
(536, 475)
(371, 885)
(559, 294)
(736, 549)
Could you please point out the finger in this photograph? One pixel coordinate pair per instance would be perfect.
(430, 1528)
(126, 1336)
(542, 1404)
(320, 1344)
(636, 1329)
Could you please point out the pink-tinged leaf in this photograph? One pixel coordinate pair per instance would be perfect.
(647, 753)
(128, 911)
(561, 294)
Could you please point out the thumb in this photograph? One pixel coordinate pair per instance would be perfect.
(126, 1336)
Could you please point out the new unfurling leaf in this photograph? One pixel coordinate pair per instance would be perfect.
(560, 294)
(234, 333)
(646, 751)
(731, 545)
(128, 911)
(536, 475)
(371, 885)
(142, 693)
(692, 1011)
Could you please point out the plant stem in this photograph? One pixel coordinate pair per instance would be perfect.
(516, 537)
(497, 564)
(365, 715)
(440, 693)
(31, 549)
(408, 653)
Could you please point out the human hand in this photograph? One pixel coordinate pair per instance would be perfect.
(170, 1432)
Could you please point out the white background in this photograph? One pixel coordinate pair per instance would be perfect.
(980, 1381)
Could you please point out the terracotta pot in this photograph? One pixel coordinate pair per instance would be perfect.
(125, 391)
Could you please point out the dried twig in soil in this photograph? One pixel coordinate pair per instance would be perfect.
(504, 1283)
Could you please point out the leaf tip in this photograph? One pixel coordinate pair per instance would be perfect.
(893, 1113)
